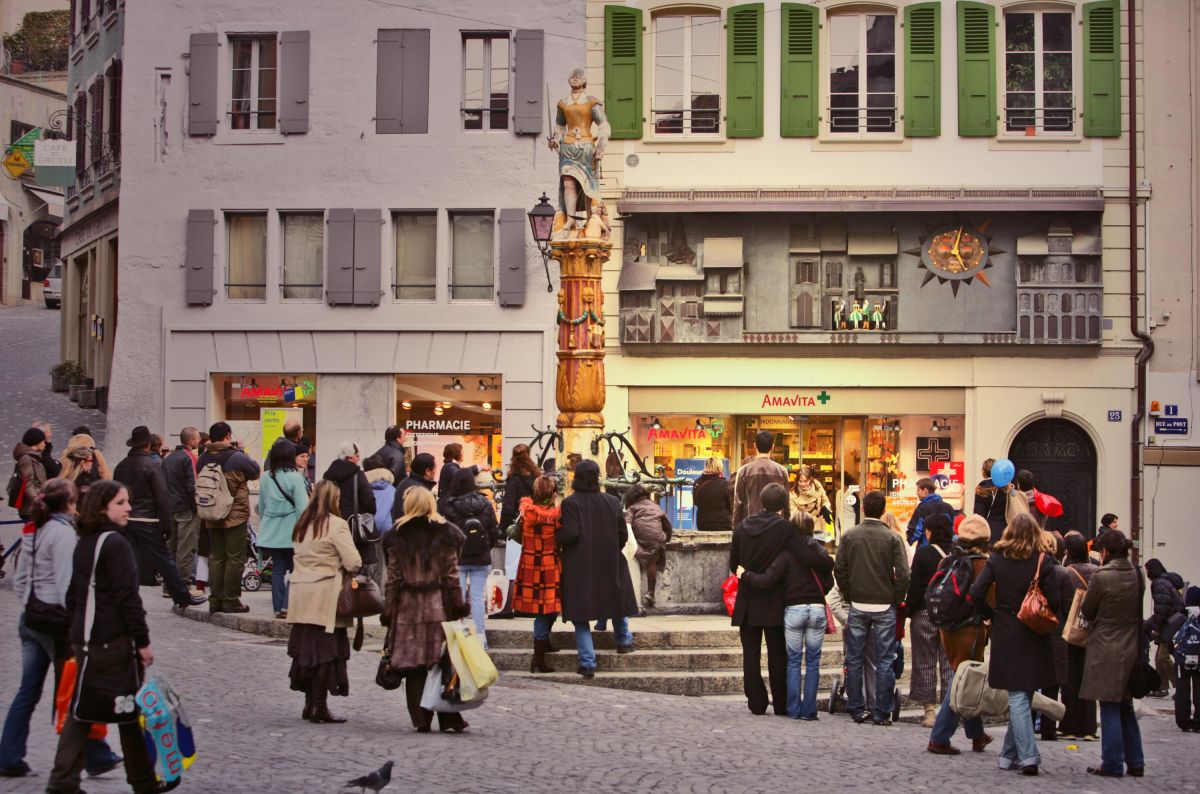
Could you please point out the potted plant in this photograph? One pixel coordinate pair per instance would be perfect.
(63, 374)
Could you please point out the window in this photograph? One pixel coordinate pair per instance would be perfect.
(303, 255)
(77, 123)
(246, 273)
(472, 274)
(16, 129)
(113, 143)
(416, 256)
(96, 133)
(485, 81)
(687, 75)
(1039, 94)
(253, 92)
(862, 74)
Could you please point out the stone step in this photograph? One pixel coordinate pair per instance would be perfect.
(652, 659)
(501, 636)
(693, 683)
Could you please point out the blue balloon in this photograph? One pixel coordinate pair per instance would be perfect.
(1003, 472)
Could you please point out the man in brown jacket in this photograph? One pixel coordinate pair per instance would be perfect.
(28, 455)
(227, 549)
(754, 476)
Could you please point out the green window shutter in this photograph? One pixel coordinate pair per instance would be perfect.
(1102, 69)
(798, 114)
(976, 69)
(744, 29)
(922, 70)
(623, 70)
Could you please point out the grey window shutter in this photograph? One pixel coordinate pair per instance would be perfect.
(202, 85)
(339, 257)
(512, 257)
(198, 259)
(402, 82)
(368, 226)
(293, 85)
(389, 59)
(528, 110)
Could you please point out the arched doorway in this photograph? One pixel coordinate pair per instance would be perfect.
(1063, 460)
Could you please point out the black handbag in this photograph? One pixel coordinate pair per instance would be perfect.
(1143, 679)
(385, 676)
(51, 619)
(362, 525)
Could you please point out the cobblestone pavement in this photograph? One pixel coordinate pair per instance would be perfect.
(533, 737)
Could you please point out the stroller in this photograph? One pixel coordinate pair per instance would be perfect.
(257, 571)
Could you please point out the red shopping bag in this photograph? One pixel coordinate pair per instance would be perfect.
(729, 590)
(62, 701)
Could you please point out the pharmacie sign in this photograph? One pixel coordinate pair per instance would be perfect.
(796, 399)
(437, 425)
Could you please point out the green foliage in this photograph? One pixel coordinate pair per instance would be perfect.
(41, 41)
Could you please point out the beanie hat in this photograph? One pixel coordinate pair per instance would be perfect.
(1192, 599)
(33, 436)
(974, 528)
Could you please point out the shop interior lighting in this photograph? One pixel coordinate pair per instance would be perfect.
(891, 425)
(454, 385)
(487, 384)
(406, 405)
(702, 425)
(437, 409)
(447, 404)
(487, 406)
(656, 425)
(940, 425)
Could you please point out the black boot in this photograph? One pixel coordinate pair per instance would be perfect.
(539, 665)
(320, 710)
(550, 647)
(308, 707)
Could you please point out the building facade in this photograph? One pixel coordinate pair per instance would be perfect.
(325, 217)
(894, 233)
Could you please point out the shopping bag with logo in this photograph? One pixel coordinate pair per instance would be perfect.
(470, 660)
(495, 591)
(62, 701)
(170, 743)
(443, 690)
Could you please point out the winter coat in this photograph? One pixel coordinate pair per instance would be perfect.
(282, 497)
(930, 506)
(1112, 606)
(806, 578)
(118, 604)
(968, 642)
(352, 481)
(239, 470)
(747, 488)
(142, 475)
(872, 564)
(461, 509)
(648, 521)
(50, 573)
(757, 543)
(596, 583)
(383, 488)
(446, 481)
(924, 565)
(179, 475)
(539, 572)
(422, 590)
(33, 473)
(516, 488)
(713, 499)
(318, 567)
(1022, 660)
(402, 488)
(812, 501)
(990, 502)
(1164, 590)
(395, 459)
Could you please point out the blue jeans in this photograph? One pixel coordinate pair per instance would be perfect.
(542, 625)
(804, 631)
(883, 626)
(1120, 738)
(474, 577)
(37, 654)
(947, 722)
(1020, 747)
(583, 640)
(281, 565)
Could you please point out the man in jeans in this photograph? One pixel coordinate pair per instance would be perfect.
(872, 574)
(179, 470)
(754, 476)
(228, 536)
(141, 474)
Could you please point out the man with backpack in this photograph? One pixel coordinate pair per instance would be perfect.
(29, 474)
(223, 504)
(1168, 615)
(1187, 658)
(931, 504)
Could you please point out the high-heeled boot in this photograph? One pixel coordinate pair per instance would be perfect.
(539, 665)
(320, 711)
(308, 707)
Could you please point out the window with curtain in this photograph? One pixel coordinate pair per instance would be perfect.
(472, 267)
(246, 273)
(303, 255)
(414, 277)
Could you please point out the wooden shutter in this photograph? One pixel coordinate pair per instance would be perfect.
(976, 69)
(623, 70)
(798, 116)
(1102, 69)
(368, 251)
(78, 130)
(744, 71)
(511, 289)
(97, 122)
(202, 84)
(115, 76)
(922, 70)
(293, 82)
(402, 82)
(527, 94)
(339, 257)
(198, 258)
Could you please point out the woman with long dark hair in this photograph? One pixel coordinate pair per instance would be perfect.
(539, 573)
(323, 553)
(119, 636)
(452, 457)
(282, 497)
(45, 573)
(1080, 719)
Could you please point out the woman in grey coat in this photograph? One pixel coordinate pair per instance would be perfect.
(1113, 608)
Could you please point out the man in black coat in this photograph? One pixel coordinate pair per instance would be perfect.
(1168, 616)
(595, 575)
(351, 480)
(393, 453)
(422, 467)
(757, 541)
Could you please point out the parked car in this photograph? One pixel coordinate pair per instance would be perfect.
(52, 287)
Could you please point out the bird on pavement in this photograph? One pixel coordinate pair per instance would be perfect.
(377, 780)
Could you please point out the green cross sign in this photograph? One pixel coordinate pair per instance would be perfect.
(823, 397)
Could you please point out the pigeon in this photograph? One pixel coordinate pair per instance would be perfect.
(377, 780)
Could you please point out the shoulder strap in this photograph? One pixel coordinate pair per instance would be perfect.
(1075, 571)
(279, 487)
(938, 549)
(89, 610)
(33, 565)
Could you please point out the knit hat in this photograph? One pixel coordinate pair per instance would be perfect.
(974, 528)
(33, 436)
(1192, 599)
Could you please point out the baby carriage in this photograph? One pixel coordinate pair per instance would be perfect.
(257, 571)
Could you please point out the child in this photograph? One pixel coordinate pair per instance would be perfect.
(1187, 659)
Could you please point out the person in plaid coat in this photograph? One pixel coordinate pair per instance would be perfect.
(539, 573)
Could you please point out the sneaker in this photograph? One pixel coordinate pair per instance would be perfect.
(1159, 693)
(625, 648)
(885, 722)
(587, 672)
(859, 718)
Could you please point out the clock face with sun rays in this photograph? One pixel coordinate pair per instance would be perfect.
(956, 255)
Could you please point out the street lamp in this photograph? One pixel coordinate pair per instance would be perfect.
(541, 223)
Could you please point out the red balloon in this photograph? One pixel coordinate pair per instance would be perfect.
(1048, 505)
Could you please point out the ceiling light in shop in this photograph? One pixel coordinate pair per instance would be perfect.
(487, 406)
(406, 405)
(447, 404)
(656, 425)
(487, 384)
(437, 409)
(455, 384)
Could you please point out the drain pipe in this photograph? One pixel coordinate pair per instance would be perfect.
(1147, 349)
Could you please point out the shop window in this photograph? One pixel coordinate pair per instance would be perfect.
(253, 93)
(687, 74)
(246, 269)
(485, 81)
(303, 255)
(472, 269)
(414, 276)
(862, 74)
(257, 405)
(1038, 72)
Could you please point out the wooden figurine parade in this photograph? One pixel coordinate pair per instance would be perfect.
(856, 316)
(877, 321)
(839, 315)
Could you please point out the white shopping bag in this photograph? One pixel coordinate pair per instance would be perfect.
(495, 592)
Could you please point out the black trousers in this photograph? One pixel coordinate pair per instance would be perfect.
(414, 686)
(150, 548)
(1187, 700)
(752, 680)
(1080, 719)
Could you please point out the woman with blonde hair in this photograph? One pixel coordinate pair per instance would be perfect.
(323, 552)
(423, 590)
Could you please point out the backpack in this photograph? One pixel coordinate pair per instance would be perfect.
(948, 598)
(16, 489)
(1187, 645)
(476, 543)
(214, 502)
